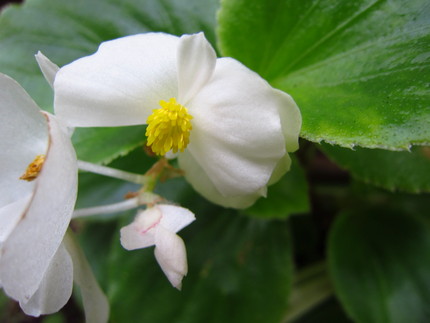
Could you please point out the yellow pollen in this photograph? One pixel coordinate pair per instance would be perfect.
(34, 168)
(168, 128)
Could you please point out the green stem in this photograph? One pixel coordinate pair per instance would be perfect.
(112, 172)
(311, 287)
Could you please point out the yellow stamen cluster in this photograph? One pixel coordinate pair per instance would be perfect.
(33, 169)
(168, 128)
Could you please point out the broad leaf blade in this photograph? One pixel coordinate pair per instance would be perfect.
(359, 70)
(102, 145)
(407, 171)
(379, 263)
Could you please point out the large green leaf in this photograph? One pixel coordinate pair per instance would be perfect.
(379, 263)
(359, 70)
(239, 271)
(66, 30)
(394, 170)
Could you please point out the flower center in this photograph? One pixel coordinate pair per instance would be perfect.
(168, 128)
(34, 168)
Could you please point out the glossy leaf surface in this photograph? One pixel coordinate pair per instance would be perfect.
(359, 70)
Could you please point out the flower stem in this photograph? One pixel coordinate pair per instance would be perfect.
(109, 208)
(112, 172)
(311, 287)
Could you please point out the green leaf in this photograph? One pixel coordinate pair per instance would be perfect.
(102, 145)
(359, 70)
(239, 271)
(4, 300)
(288, 196)
(66, 30)
(393, 170)
(379, 262)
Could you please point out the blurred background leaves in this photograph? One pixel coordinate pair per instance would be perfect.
(326, 245)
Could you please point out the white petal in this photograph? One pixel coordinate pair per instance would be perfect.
(148, 219)
(24, 135)
(291, 120)
(96, 305)
(32, 245)
(175, 218)
(171, 256)
(140, 233)
(48, 68)
(196, 63)
(203, 184)
(120, 84)
(281, 168)
(237, 137)
(171, 155)
(132, 238)
(10, 216)
(56, 287)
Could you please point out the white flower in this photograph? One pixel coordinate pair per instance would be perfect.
(34, 215)
(231, 129)
(38, 188)
(158, 226)
(69, 264)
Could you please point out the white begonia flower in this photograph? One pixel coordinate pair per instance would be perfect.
(231, 129)
(34, 214)
(69, 264)
(38, 189)
(158, 226)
